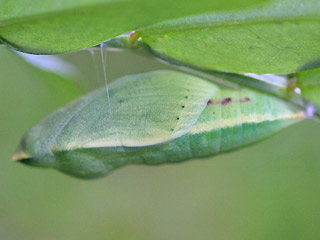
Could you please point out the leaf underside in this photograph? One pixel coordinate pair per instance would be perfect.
(280, 37)
(51, 27)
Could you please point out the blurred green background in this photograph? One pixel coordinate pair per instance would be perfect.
(268, 191)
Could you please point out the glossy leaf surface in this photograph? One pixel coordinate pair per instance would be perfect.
(45, 26)
(158, 119)
(280, 37)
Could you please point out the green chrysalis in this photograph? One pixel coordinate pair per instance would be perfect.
(155, 118)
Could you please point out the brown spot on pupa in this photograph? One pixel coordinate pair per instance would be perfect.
(226, 101)
(246, 99)
(209, 102)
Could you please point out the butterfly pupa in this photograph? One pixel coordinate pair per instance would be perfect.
(157, 117)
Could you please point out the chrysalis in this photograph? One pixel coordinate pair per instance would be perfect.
(157, 117)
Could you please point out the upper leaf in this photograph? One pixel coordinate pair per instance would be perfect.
(45, 26)
(275, 38)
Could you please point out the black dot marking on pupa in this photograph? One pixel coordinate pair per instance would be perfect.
(178, 118)
(121, 101)
(171, 129)
(186, 97)
(182, 106)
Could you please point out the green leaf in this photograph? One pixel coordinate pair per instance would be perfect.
(274, 38)
(45, 26)
(157, 117)
(308, 81)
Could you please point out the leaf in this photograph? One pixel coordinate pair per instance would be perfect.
(274, 38)
(60, 26)
(157, 117)
(308, 81)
